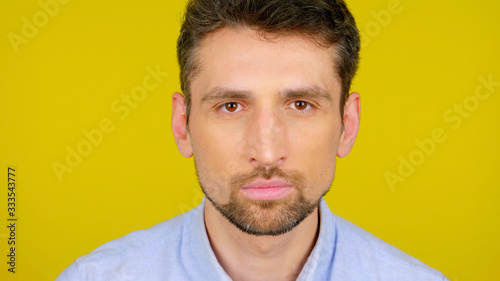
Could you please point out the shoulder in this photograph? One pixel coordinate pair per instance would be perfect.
(356, 245)
(126, 256)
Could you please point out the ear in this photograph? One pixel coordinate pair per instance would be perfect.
(179, 128)
(351, 125)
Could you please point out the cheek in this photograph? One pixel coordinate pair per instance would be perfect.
(314, 149)
(216, 154)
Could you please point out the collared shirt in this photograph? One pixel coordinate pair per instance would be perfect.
(178, 249)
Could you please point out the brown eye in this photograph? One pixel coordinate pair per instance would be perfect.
(231, 106)
(300, 105)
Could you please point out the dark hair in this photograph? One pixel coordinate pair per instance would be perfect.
(327, 22)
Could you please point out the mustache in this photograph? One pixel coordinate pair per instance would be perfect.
(295, 178)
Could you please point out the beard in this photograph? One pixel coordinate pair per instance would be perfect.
(265, 217)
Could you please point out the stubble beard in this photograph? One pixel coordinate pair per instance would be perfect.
(266, 217)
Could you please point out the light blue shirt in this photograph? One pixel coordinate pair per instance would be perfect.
(178, 249)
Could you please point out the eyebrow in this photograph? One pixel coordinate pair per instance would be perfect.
(308, 91)
(219, 93)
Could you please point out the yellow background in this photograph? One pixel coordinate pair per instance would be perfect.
(428, 56)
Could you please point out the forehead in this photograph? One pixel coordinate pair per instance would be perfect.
(243, 59)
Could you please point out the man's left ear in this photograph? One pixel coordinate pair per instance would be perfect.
(351, 125)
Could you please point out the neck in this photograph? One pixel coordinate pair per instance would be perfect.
(249, 257)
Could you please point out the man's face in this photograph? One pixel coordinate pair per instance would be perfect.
(264, 127)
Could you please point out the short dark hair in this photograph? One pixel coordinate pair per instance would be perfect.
(327, 22)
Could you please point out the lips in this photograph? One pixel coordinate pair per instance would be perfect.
(272, 189)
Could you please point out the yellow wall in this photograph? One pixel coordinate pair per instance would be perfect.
(422, 60)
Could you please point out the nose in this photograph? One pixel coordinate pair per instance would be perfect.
(267, 138)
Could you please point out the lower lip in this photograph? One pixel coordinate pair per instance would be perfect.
(267, 193)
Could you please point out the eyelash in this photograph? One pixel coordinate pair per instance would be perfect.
(309, 106)
(222, 107)
(291, 105)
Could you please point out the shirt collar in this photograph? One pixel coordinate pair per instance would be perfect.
(323, 250)
(201, 248)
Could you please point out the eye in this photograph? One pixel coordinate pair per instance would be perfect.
(231, 106)
(301, 105)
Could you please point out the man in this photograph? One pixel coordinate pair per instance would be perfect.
(266, 110)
